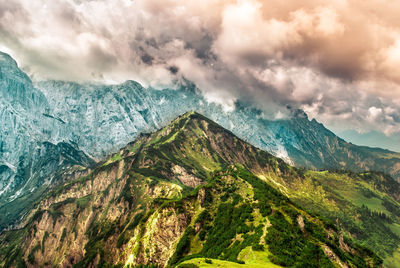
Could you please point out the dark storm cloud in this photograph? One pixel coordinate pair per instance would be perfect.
(173, 69)
(147, 59)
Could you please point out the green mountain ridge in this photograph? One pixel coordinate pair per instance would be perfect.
(192, 194)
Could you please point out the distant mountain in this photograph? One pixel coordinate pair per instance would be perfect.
(309, 144)
(191, 193)
(372, 139)
(96, 120)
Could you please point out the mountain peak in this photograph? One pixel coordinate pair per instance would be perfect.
(298, 113)
(7, 60)
(186, 117)
(194, 123)
(9, 67)
(189, 114)
(199, 146)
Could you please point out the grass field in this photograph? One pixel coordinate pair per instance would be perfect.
(255, 259)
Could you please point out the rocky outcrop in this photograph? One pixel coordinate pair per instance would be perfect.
(333, 257)
(185, 178)
(163, 231)
(300, 222)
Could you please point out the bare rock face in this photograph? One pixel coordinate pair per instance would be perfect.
(201, 196)
(185, 178)
(343, 245)
(163, 232)
(333, 257)
(300, 222)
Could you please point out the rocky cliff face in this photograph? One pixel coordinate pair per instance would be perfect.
(32, 157)
(41, 169)
(139, 207)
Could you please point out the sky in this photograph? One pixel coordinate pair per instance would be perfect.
(336, 60)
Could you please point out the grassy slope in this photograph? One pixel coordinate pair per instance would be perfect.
(252, 259)
(357, 203)
(240, 212)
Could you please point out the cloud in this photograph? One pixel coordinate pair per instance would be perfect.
(337, 60)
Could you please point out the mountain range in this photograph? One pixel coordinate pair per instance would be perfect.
(194, 194)
(65, 181)
(50, 126)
